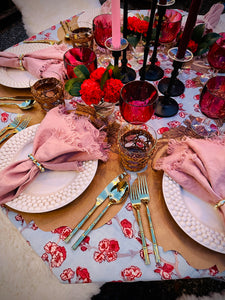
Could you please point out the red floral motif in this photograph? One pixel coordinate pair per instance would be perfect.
(165, 271)
(34, 226)
(67, 274)
(182, 114)
(162, 130)
(196, 107)
(84, 244)
(83, 275)
(64, 231)
(131, 273)
(4, 117)
(196, 97)
(53, 27)
(47, 35)
(213, 270)
(174, 124)
(107, 251)
(45, 257)
(129, 207)
(127, 228)
(19, 218)
(182, 96)
(57, 253)
(167, 71)
(190, 84)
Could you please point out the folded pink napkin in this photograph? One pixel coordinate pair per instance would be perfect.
(47, 62)
(198, 165)
(62, 142)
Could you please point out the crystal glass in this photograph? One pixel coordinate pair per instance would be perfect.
(137, 99)
(136, 144)
(212, 98)
(82, 36)
(171, 26)
(216, 54)
(102, 29)
(48, 92)
(79, 56)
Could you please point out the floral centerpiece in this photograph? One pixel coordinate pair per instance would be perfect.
(103, 84)
(137, 27)
(201, 40)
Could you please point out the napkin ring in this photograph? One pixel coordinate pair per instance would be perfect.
(21, 56)
(40, 167)
(220, 203)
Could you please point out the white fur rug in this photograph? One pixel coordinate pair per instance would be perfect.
(41, 14)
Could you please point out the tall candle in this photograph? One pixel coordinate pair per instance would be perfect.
(116, 24)
(190, 23)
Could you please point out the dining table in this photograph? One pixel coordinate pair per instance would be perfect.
(189, 245)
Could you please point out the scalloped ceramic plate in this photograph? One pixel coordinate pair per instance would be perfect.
(50, 190)
(195, 217)
(16, 78)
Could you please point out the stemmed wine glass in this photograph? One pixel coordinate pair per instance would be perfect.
(216, 55)
(102, 29)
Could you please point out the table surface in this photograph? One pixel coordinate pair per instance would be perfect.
(111, 252)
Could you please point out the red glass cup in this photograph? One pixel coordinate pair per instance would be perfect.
(137, 101)
(212, 98)
(170, 26)
(216, 54)
(102, 29)
(79, 56)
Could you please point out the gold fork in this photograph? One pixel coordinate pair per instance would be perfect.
(136, 203)
(12, 125)
(145, 198)
(22, 126)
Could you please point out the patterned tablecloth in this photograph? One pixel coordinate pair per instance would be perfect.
(113, 251)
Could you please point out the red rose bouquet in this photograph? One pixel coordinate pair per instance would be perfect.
(103, 84)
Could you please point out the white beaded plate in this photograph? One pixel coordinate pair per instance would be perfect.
(16, 78)
(198, 219)
(50, 190)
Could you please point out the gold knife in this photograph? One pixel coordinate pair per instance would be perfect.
(50, 42)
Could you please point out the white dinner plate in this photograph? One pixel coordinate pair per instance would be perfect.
(198, 219)
(16, 78)
(50, 190)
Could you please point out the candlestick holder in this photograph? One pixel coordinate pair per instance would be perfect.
(116, 52)
(167, 106)
(176, 86)
(153, 72)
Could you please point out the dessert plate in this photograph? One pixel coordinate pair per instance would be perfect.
(50, 190)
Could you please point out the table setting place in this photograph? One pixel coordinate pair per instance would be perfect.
(112, 143)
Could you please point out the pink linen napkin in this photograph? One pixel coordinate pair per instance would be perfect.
(62, 142)
(198, 165)
(47, 62)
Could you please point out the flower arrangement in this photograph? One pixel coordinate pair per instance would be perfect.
(201, 40)
(101, 84)
(137, 27)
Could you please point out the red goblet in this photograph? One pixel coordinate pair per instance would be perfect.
(102, 29)
(79, 56)
(216, 54)
(212, 98)
(137, 101)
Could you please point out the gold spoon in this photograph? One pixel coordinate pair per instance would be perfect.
(117, 196)
(24, 105)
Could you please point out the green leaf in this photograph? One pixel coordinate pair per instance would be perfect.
(198, 33)
(201, 51)
(210, 38)
(133, 39)
(146, 18)
(105, 76)
(116, 72)
(75, 90)
(82, 72)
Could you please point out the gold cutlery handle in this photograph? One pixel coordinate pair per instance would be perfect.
(6, 136)
(82, 237)
(91, 211)
(144, 246)
(155, 246)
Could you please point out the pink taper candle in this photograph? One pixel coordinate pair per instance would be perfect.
(116, 24)
(190, 23)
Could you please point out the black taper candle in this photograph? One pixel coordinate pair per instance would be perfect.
(148, 38)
